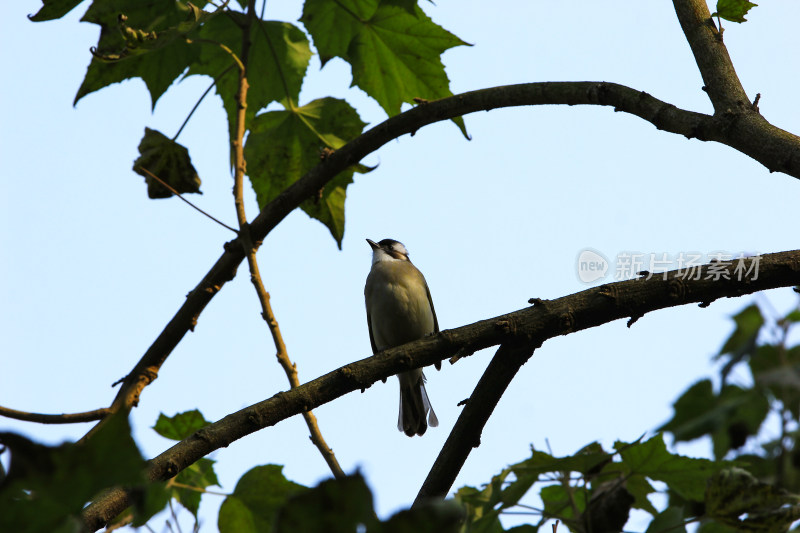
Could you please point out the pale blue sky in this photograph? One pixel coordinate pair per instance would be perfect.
(93, 269)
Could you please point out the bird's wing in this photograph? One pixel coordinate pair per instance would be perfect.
(430, 301)
(437, 364)
(371, 338)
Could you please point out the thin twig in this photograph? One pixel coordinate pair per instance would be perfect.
(176, 193)
(200, 100)
(67, 418)
(240, 165)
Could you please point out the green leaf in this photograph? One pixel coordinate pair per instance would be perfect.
(729, 418)
(694, 416)
(394, 53)
(54, 9)
(480, 505)
(436, 517)
(742, 342)
(255, 501)
(284, 145)
(586, 460)
(736, 498)
(333, 506)
(169, 161)
(161, 26)
(793, 316)
(278, 58)
(640, 488)
(685, 475)
(711, 526)
(181, 425)
(741, 413)
(670, 519)
(198, 475)
(733, 10)
(562, 502)
(777, 369)
(148, 500)
(47, 487)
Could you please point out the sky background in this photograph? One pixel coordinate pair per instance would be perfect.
(93, 269)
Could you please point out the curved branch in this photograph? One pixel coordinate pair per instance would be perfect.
(68, 418)
(530, 326)
(751, 134)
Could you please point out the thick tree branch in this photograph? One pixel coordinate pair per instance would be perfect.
(68, 418)
(721, 82)
(530, 327)
(771, 146)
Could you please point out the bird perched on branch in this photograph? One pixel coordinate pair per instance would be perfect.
(400, 310)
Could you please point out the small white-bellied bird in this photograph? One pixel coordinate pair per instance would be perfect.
(400, 310)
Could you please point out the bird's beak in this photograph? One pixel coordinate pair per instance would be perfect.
(374, 245)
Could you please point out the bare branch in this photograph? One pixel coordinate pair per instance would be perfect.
(69, 418)
(240, 165)
(750, 134)
(529, 327)
(466, 433)
(711, 55)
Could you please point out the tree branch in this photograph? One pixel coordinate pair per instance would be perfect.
(711, 55)
(69, 418)
(466, 434)
(530, 326)
(771, 146)
(240, 164)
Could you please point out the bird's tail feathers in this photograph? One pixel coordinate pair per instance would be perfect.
(415, 407)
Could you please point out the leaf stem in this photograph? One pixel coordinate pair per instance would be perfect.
(197, 104)
(179, 195)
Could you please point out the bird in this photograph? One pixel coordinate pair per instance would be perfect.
(400, 310)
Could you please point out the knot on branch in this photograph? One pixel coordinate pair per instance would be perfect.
(325, 152)
(609, 291)
(676, 289)
(567, 321)
(202, 434)
(537, 302)
(352, 377)
(211, 289)
(171, 469)
(506, 326)
(254, 417)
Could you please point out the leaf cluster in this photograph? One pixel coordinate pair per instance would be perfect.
(393, 49)
(593, 490)
(741, 420)
(46, 487)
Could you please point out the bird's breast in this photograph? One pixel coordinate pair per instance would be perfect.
(397, 301)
